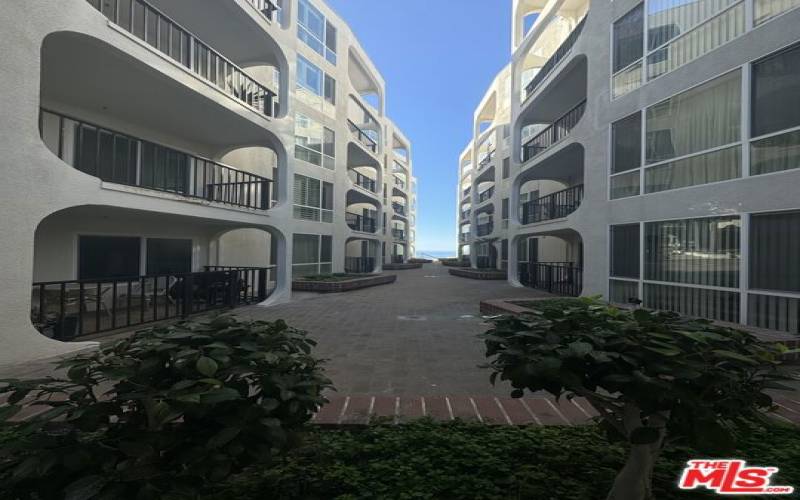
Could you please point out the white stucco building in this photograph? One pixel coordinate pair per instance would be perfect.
(646, 150)
(170, 156)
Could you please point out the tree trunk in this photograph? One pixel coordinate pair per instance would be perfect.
(634, 481)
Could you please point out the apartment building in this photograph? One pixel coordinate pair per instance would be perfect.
(167, 157)
(654, 156)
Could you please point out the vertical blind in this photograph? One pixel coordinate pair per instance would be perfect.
(697, 251)
(775, 251)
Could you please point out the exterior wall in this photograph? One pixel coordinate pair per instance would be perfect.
(585, 71)
(115, 80)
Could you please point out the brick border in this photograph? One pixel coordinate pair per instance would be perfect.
(342, 286)
(402, 267)
(479, 274)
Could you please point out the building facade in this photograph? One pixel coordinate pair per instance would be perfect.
(167, 157)
(653, 157)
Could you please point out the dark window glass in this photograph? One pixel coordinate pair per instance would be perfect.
(626, 137)
(506, 167)
(774, 251)
(169, 256)
(776, 87)
(504, 208)
(330, 37)
(330, 90)
(504, 249)
(101, 257)
(327, 196)
(86, 149)
(329, 142)
(625, 251)
(629, 38)
(326, 249)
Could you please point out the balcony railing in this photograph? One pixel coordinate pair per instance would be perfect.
(487, 159)
(554, 133)
(486, 195)
(399, 209)
(361, 223)
(553, 206)
(465, 214)
(68, 309)
(123, 159)
(398, 259)
(399, 183)
(484, 262)
(463, 237)
(466, 192)
(365, 182)
(362, 137)
(266, 7)
(556, 58)
(359, 265)
(399, 234)
(147, 23)
(561, 278)
(485, 229)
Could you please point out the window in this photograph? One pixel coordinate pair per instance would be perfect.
(775, 109)
(506, 168)
(312, 254)
(309, 76)
(695, 251)
(313, 199)
(625, 251)
(314, 143)
(314, 87)
(700, 122)
(168, 256)
(626, 139)
(316, 31)
(768, 9)
(628, 38)
(504, 208)
(104, 257)
(330, 90)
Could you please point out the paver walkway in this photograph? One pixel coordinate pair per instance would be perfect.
(416, 337)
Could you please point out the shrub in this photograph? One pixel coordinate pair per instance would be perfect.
(654, 377)
(164, 413)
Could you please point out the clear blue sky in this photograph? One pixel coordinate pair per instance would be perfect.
(437, 57)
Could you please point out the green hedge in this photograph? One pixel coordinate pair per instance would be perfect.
(426, 460)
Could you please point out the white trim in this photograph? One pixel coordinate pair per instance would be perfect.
(771, 134)
(691, 285)
(744, 266)
(773, 293)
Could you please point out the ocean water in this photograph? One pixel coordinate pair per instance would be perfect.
(436, 254)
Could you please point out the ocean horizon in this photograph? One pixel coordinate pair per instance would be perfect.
(438, 254)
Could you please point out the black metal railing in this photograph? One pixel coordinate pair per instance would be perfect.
(485, 195)
(359, 265)
(123, 159)
(556, 58)
(399, 234)
(365, 182)
(69, 309)
(561, 278)
(554, 133)
(484, 262)
(363, 138)
(485, 229)
(149, 24)
(266, 7)
(399, 209)
(466, 192)
(553, 206)
(361, 223)
(487, 159)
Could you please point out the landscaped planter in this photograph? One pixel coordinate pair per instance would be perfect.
(343, 285)
(454, 263)
(402, 267)
(515, 307)
(479, 274)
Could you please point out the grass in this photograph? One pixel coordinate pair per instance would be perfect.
(427, 460)
(544, 304)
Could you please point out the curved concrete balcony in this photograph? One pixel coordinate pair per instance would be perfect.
(361, 223)
(553, 206)
(150, 25)
(362, 138)
(123, 159)
(553, 134)
(560, 55)
(485, 229)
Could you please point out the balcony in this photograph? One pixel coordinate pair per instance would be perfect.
(150, 25)
(484, 262)
(465, 215)
(361, 223)
(65, 310)
(485, 229)
(399, 209)
(266, 7)
(365, 182)
(560, 129)
(463, 237)
(466, 192)
(399, 183)
(559, 55)
(560, 278)
(362, 137)
(487, 159)
(399, 234)
(486, 195)
(122, 159)
(553, 206)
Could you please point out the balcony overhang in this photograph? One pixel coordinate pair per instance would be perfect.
(564, 166)
(566, 87)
